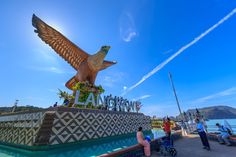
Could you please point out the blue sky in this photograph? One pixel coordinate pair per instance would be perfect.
(142, 34)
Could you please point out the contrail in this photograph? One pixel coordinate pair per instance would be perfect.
(160, 66)
(142, 97)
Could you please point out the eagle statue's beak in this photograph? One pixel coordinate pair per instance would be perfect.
(107, 48)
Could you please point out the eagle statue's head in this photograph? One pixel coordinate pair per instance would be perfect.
(95, 61)
(105, 49)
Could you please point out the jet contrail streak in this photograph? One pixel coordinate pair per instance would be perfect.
(182, 49)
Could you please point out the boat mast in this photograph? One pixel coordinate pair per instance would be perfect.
(176, 98)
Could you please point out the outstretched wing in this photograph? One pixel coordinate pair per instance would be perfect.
(106, 64)
(64, 47)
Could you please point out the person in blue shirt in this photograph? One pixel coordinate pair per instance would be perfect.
(55, 105)
(224, 135)
(202, 133)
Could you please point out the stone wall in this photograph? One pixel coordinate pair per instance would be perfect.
(20, 128)
(64, 125)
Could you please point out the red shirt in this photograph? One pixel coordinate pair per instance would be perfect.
(166, 126)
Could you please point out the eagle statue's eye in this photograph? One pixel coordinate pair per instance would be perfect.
(105, 48)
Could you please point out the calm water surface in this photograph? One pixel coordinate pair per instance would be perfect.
(91, 150)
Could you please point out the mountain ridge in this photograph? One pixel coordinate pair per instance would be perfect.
(5, 110)
(216, 112)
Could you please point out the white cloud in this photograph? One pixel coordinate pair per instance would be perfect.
(168, 51)
(53, 70)
(159, 110)
(182, 49)
(46, 55)
(129, 35)
(111, 79)
(48, 61)
(127, 27)
(108, 81)
(224, 93)
(142, 97)
(49, 69)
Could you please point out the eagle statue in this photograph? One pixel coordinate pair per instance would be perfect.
(87, 66)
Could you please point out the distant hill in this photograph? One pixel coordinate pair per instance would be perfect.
(216, 112)
(4, 110)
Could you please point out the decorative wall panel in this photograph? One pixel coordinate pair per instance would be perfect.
(65, 125)
(77, 126)
(20, 128)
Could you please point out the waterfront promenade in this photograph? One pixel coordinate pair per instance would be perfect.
(191, 146)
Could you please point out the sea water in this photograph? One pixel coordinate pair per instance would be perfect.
(91, 150)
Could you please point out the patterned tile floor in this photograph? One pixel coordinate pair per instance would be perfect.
(191, 146)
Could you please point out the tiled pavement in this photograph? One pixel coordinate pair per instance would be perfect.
(191, 146)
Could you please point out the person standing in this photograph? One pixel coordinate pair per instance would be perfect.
(55, 105)
(143, 142)
(167, 127)
(202, 133)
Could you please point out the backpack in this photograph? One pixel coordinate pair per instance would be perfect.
(227, 130)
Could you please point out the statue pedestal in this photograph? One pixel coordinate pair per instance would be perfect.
(63, 125)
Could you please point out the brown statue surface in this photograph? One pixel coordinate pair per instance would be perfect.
(87, 66)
